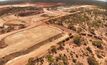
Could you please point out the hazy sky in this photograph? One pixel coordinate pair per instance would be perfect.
(21, 0)
(103, 0)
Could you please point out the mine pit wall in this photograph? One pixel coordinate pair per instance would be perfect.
(5, 59)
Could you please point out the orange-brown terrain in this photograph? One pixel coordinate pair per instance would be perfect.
(53, 34)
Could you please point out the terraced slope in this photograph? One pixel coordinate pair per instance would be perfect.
(25, 39)
(28, 42)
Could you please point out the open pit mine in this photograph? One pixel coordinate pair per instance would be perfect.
(53, 34)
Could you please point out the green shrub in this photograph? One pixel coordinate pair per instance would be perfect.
(50, 58)
(92, 61)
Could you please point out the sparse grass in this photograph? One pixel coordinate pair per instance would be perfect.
(97, 24)
(97, 43)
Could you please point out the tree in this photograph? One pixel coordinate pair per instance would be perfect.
(77, 40)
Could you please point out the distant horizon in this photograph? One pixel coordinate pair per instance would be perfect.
(72, 2)
(47, 0)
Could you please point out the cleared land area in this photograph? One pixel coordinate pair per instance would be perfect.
(25, 39)
(22, 60)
